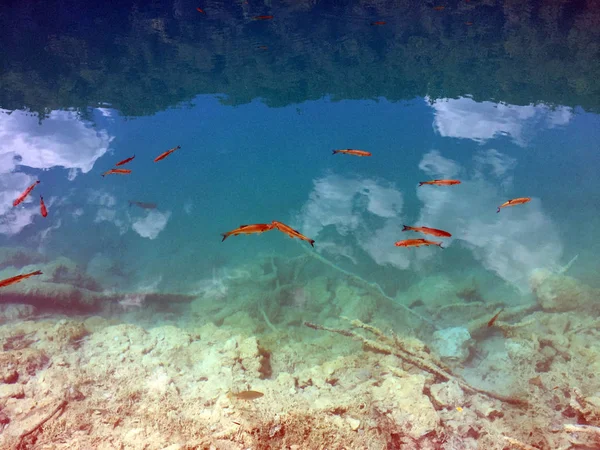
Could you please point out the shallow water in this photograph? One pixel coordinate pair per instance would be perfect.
(503, 96)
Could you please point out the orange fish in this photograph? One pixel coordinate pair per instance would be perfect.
(262, 47)
(125, 161)
(379, 22)
(417, 243)
(117, 171)
(200, 10)
(439, 8)
(167, 153)
(513, 202)
(24, 195)
(291, 232)
(469, 23)
(350, 151)
(248, 229)
(262, 17)
(493, 319)
(440, 182)
(427, 230)
(43, 209)
(18, 278)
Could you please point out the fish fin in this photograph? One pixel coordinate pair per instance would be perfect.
(244, 226)
(334, 152)
(225, 236)
(405, 228)
(498, 210)
(421, 183)
(312, 242)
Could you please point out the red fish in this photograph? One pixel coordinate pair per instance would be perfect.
(427, 230)
(167, 153)
(513, 202)
(125, 161)
(350, 151)
(291, 232)
(200, 10)
(117, 172)
(24, 195)
(440, 182)
(18, 278)
(379, 22)
(417, 243)
(43, 209)
(493, 319)
(262, 17)
(248, 229)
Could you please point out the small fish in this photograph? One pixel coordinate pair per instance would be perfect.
(142, 205)
(427, 230)
(248, 229)
(24, 195)
(513, 202)
(493, 319)
(200, 10)
(43, 209)
(125, 161)
(417, 243)
(291, 232)
(245, 395)
(18, 278)
(117, 171)
(459, 409)
(350, 151)
(468, 23)
(440, 182)
(379, 22)
(262, 17)
(167, 153)
(439, 8)
(262, 47)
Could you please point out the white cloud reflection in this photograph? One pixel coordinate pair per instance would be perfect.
(348, 213)
(151, 225)
(480, 121)
(61, 140)
(511, 243)
(367, 210)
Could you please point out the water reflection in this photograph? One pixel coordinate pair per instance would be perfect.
(481, 121)
(62, 140)
(512, 243)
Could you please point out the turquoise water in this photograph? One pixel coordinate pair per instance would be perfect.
(504, 96)
(254, 164)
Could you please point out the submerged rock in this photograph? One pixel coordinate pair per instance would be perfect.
(559, 293)
(452, 343)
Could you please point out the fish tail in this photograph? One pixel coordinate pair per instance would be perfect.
(421, 183)
(440, 245)
(405, 228)
(498, 210)
(178, 147)
(225, 236)
(333, 152)
(312, 242)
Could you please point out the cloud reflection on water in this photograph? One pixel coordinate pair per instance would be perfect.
(367, 214)
(481, 121)
(61, 140)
